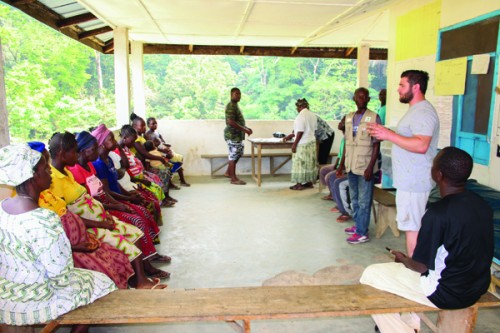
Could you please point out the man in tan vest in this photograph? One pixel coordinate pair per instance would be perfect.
(360, 162)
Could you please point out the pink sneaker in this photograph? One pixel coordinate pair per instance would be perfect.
(357, 239)
(350, 230)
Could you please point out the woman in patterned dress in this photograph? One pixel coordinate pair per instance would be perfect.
(99, 187)
(63, 152)
(38, 278)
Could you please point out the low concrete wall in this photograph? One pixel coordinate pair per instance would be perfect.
(192, 138)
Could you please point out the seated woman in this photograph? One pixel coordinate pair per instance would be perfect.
(88, 251)
(176, 159)
(63, 151)
(39, 280)
(95, 179)
(134, 166)
(139, 125)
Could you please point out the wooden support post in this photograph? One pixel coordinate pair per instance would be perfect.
(457, 321)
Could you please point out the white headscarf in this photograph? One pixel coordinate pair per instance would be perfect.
(17, 163)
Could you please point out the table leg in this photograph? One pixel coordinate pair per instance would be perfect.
(259, 165)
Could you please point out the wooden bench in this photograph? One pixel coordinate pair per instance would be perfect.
(258, 303)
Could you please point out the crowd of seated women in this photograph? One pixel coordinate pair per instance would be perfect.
(83, 220)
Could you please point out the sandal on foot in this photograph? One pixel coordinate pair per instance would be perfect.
(185, 184)
(238, 182)
(159, 274)
(326, 197)
(297, 187)
(157, 284)
(308, 185)
(335, 210)
(343, 218)
(161, 259)
(167, 203)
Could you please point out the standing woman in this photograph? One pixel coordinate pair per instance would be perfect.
(39, 280)
(304, 168)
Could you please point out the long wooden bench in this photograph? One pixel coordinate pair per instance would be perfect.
(258, 303)
(271, 156)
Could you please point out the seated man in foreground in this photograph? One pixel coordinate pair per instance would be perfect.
(450, 268)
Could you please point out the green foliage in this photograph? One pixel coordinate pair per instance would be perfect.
(54, 83)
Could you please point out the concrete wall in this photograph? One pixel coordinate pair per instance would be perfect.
(450, 12)
(192, 138)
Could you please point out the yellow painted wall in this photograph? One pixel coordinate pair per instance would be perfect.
(408, 29)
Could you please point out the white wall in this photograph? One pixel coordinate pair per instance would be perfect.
(192, 138)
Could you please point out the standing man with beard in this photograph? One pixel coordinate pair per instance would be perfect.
(414, 147)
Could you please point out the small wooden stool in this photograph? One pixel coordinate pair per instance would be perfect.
(386, 215)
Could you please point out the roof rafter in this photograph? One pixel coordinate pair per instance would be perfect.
(305, 52)
(75, 20)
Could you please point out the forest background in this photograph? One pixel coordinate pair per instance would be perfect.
(54, 83)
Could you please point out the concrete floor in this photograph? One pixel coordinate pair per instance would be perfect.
(222, 235)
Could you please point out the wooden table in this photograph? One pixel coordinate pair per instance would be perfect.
(267, 143)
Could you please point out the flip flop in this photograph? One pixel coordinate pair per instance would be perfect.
(158, 285)
(297, 187)
(161, 259)
(238, 182)
(185, 184)
(159, 275)
(326, 197)
(335, 210)
(343, 218)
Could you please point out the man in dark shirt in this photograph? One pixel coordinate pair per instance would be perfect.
(234, 134)
(450, 267)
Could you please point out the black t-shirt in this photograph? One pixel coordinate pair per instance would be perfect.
(456, 244)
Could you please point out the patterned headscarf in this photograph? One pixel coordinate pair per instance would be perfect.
(17, 163)
(85, 140)
(100, 133)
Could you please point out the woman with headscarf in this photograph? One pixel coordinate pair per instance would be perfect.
(110, 151)
(134, 166)
(88, 251)
(119, 205)
(39, 280)
(140, 151)
(304, 168)
(63, 152)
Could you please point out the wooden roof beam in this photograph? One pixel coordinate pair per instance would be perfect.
(22, 2)
(349, 51)
(75, 20)
(109, 47)
(50, 18)
(306, 52)
(95, 32)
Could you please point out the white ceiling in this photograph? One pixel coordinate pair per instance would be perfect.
(287, 23)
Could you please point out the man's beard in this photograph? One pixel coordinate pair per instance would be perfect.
(406, 98)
